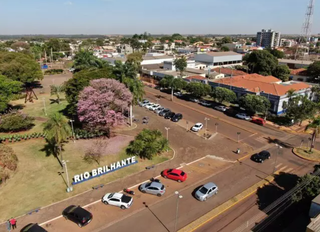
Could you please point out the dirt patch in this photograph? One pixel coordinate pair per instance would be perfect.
(111, 146)
(40, 119)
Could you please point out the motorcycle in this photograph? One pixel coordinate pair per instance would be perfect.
(131, 192)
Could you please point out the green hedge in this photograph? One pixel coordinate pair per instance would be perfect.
(21, 137)
(53, 71)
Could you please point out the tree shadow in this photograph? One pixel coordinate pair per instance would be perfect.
(268, 201)
(279, 142)
(51, 149)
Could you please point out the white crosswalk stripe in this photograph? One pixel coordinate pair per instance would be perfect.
(283, 168)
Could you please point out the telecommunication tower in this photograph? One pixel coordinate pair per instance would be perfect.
(306, 28)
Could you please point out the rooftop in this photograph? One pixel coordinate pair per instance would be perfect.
(196, 77)
(299, 71)
(229, 71)
(222, 53)
(267, 84)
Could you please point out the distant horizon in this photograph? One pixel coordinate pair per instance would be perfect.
(125, 17)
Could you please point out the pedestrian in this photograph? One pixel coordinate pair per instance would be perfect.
(13, 223)
(8, 224)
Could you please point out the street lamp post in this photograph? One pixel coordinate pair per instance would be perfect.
(216, 124)
(69, 188)
(206, 119)
(157, 99)
(167, 129)
(275, 161)
(177, 209)
(238, 134)
(187, 127)
(73, 135)
(44, 106)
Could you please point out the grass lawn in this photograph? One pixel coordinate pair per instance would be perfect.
(36, 110)
(37, 182)
(304, 152)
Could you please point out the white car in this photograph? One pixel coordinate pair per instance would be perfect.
(194, 100)
(243, 116)
(144, 103)
(149, 105)
(154, 107)
(205, 103)
(118, 199)
(158, 110)
(178, 94)
(197, 127)
(221, 108)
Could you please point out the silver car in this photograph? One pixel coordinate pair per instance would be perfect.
(155, 188)
(206, 191)
(157, 111)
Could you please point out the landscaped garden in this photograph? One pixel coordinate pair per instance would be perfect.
(36, 137)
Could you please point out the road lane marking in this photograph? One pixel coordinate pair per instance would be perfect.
(278, 165)
(282, 168)
(288, 170)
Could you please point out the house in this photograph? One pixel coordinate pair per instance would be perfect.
(268, 86)
(199, 79)
(314, 214)
(147, 59)
(300, 74)
(314, 225)
(215, 59)
(229, 71)
(232, 46)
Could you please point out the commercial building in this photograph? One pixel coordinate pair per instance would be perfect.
(268, 38)
(295, 64)
(267, 86)
(216, 59)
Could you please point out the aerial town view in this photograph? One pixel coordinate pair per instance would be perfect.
(167, 116)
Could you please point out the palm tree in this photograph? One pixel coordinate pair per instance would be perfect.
(85, 59)
(57, 90)
(57, 130)
(315, 126)
(290, 94)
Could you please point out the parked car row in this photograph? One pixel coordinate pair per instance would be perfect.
(161, 111)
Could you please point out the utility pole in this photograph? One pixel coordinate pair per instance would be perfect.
(167, 129)
(73, 135)
(216, 124)
(131, 114)
(69, 188)
(177, 209)
(206, 119)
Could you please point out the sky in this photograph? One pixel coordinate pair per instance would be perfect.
(154, 16)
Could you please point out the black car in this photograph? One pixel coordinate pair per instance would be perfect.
(169, 115)
(261, 156)
(32, 227)
(164, 112)
(78, 215)
(176, 117)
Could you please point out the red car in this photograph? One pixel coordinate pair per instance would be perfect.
(175, 174)
(259, 121)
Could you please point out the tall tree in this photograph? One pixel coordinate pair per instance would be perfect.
(8, 88)
(255, 103)
(57, 90)
(226, 40)
(276, 53)
(81, 80)
(19, 67)
(100, 42)
(85, 59)
(181, 65)
(101, 105)
(282, 72)
(147, 144)
(300, 108)
(223, 94)
(315, 125)
(198, 89)
(168, 82)
(57, 131)
(224, 49)
(262, 62)
(314, 69)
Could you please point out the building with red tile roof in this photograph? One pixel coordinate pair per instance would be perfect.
(268, 86)
(230, 72)
(200, 79)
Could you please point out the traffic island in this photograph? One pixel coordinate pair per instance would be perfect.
(304, 153)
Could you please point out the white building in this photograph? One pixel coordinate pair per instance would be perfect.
(268, 38)
(146, 60)
(216, 59)
(232, 46)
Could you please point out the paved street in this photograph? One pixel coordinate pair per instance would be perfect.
(220, 166)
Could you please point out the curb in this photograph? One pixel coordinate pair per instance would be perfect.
(210, 115)
(225, 206)
(302, 157)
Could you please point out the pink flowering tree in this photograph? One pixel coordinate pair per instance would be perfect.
(101, 105)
